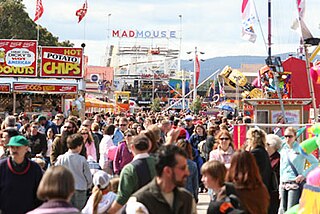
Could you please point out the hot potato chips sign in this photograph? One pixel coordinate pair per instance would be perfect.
(61, 62)
(18, 58)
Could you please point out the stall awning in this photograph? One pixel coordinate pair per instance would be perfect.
(96, 103)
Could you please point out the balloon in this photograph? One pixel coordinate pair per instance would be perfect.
(311, 144)
(314, 73)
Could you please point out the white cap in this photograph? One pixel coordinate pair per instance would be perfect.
(101, 179)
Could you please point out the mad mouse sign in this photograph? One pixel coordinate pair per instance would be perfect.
(61, 62)
(18, 58)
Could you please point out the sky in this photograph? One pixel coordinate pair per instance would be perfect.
(214, 27)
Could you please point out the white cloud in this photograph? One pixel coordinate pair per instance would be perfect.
(211, 25)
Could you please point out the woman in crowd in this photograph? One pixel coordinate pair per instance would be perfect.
(102, 197)
(273, 145)
(88, 143)
(198, 136)
(56, 188)
(256, 139)
(192, 181)
(213, 175)
(244, 174)
(225, 148)
(123, 155)
(210, 141)
(105, 145)
(292, 172)
(153, 132)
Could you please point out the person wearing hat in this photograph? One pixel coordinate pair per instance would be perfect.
(189, 124)
(102, 196)
(19, 178)
(46, 124)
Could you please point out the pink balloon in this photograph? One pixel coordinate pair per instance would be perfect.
(314, 73)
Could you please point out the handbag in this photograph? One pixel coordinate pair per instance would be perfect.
(301, 184)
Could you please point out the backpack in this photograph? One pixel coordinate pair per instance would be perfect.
(231, 204)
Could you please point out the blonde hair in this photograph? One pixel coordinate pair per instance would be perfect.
(97, 196)
(258, 137)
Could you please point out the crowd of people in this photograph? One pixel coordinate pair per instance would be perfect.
(146, 162)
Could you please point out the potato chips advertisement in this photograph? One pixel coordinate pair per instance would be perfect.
(61, 62)
(18, 58)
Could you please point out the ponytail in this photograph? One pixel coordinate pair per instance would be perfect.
(97, 196)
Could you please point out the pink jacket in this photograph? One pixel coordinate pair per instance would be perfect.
(91, 151)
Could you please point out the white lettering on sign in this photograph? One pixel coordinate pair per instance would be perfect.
(61, 57)
(144, 34)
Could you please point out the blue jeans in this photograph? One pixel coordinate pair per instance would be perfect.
(289, 198)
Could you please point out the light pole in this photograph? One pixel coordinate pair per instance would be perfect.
(179, 66)
(108, 40)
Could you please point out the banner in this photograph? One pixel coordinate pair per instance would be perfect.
(248, 16)
(5, 88)
(61, 62)
(54, 88)
(82, 11)
(18, 58)
(39, 10)
(239, 136)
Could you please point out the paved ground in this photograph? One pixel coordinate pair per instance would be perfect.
(203, 203)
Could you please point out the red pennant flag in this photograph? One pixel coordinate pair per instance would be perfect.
(239, 136)
(82, 11)
(197, 67)
(39, 10)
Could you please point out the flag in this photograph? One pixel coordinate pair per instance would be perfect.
(239, 136)
(197, 68)
(299, 24)
(82, 11)
(39, 10)
(248, 17)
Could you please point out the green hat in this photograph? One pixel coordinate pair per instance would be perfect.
(18, 140)
(41, 117)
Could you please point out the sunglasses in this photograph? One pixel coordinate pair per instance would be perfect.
(288, 136)
(123, 124)
(224, 138)
(83, 133)
(85, 125)
(68, 127)
(129, 135)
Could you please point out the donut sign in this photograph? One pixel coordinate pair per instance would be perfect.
(61, 62)
(18, 58)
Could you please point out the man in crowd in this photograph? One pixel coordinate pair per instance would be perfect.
(59, 144)
(19, 179)
(6, 135)
(59, 120)
(189, 124)
(118, 134)
(165, 127)
(10, 122)
(164, 194)
(46, 124)
(135, 174)
(37, 141)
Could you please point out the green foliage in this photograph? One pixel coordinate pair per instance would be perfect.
(155, 105)
(196, 105)
(15, 23)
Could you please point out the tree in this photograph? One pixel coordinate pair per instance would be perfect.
(155, 105)
(15, 23)
(196, 105)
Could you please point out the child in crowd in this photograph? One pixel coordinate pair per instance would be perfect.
(102, 197)
(79, 167)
